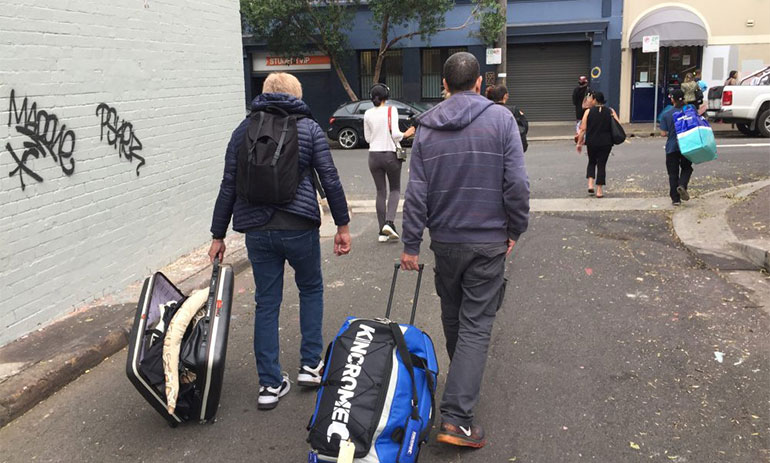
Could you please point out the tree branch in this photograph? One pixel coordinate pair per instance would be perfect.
(443, 29)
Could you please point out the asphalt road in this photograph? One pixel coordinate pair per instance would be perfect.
(635, 169)
(604, 350)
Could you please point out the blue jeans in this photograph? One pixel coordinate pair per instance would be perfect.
(268, 251)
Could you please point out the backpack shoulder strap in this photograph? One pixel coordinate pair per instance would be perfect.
(257, 119)
(281, 140)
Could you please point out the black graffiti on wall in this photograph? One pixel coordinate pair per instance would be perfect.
(46, 136)
(120, 134)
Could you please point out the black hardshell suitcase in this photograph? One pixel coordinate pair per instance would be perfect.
(210, 346)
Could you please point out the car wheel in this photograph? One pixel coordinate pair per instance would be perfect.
(348, 138)
(746, 130)
(763, 123)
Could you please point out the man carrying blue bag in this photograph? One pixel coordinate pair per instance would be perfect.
(690, 140)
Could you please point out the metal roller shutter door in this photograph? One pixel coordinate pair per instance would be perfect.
(541, 78)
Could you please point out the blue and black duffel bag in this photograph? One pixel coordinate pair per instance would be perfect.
(377, 392)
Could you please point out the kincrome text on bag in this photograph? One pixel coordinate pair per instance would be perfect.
(341, 413)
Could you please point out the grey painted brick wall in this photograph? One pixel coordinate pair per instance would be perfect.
(174, 72)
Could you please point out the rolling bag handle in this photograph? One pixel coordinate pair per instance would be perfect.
(396, 267)
(213, 283)
(211, 301)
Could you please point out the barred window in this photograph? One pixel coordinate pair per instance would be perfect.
(391, 73)
(432, 65)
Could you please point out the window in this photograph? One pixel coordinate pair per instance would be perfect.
(390, 74)
(364, 106)
(432, 66)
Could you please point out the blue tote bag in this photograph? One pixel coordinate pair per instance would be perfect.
(695, 137)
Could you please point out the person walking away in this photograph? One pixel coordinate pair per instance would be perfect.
(578, 95)
(499, 94)
(732, 79)
(382, 133)
(679, 167)
(276, 233)
(689, 87)
(596, 134)
(469, 186)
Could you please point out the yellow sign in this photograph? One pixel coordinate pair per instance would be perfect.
(596, 72)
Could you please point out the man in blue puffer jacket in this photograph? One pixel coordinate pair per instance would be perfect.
(287, 232)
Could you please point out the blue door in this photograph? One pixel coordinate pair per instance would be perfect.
(643, 86)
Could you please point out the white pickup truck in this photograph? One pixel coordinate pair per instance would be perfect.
(746, 105)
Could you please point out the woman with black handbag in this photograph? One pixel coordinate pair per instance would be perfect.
(596, 132)
(383, 135)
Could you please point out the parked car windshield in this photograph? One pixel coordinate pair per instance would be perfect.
(343, 111)
(364, 106)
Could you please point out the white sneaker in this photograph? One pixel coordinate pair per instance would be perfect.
(382, 237)
(269, 396)
(310, 377)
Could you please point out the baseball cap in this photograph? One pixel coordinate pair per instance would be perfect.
(677, 95)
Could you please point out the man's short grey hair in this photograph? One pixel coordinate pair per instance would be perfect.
(461, 72)
(282, 82)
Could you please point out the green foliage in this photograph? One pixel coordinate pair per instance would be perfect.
(491, 21)
(296, 27)
(429, 15)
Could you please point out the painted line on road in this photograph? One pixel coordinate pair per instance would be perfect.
(745, 145)
(363, 206)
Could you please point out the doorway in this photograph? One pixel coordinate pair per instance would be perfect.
(257, 81)
(675, 63)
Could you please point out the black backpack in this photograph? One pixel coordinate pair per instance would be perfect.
(268, 158)
(523, 123)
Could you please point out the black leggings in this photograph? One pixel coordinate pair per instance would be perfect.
(384, 164)
(597, 163)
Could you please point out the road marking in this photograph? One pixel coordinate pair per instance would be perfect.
(745, 145)
(363, 206)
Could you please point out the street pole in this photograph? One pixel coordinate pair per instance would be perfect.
(655, 106)
(502, 42)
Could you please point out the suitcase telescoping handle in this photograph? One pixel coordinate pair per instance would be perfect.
(213, 284)
(396, 268)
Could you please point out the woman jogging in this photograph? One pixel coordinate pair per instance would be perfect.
(382, 133)
(596, 134)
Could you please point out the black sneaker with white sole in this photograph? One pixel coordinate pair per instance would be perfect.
(269, 396)
(311, 376)
(390, 229)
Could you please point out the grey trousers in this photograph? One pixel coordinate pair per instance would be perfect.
(471, 284)
(382, 164)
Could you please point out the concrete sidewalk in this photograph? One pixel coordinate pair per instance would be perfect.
(706, 226)
(37, 365)
(550, 131)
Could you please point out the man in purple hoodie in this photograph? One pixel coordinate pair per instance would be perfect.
(469, 186)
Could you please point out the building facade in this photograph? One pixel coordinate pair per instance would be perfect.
(550, 44)
(708, 35)
(114, 119)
